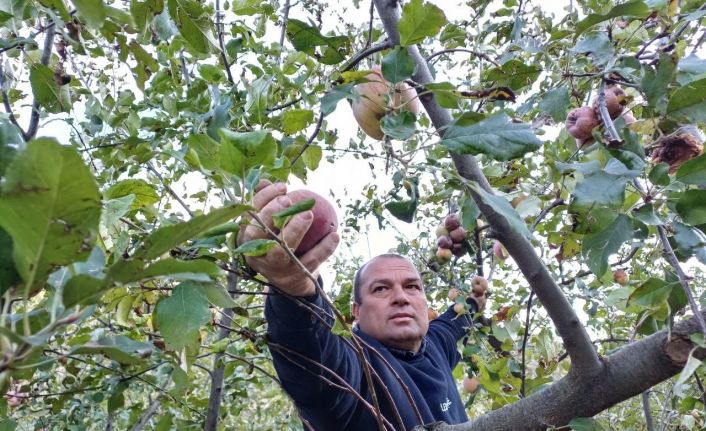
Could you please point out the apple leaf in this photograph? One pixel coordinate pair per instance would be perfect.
(119, 348)
(181, 316)
(48, 93)
(399, 126)
(194, 24)
(50, 206)
(256, 247)
(398, 65)
(503, 207)
(144, 192)
(691, 206)
(693, 171)
(419, 20)
(598, 246)
(93, 11)
(688, 103)
(496, 136)
(306, 38)
(633, 9)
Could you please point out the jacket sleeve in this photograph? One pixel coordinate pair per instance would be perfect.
(448, 328)
(310, 361)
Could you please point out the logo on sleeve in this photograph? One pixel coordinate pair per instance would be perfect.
(446, 405)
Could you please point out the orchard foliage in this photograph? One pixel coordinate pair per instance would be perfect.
(126, 301)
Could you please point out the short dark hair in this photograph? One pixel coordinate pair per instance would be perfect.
(358, 274)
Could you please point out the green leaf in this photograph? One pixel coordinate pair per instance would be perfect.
(180, 317)
(597, 247)
(8, 274)
(600, 188)
(335, 95)
(690, 69)
(281, 217)
(119, 348)
(419, 20)
(306, 38)
(646, 214)
(241, 151)
(515, 74)
(167, 237)
(496, 136)
(207, 150)
(690, 241)
(144, 192)
(93, 11)
(193, 23)
(555, 102)
(11, 9)
(398, 65)
(633, 9)
(584, 424)
(295, 120)
(403, 210)
(655, 83)
(259, 97)
(84, 289)
(660, 174)
(597, 45)
(688, 103)
(256, 247)
(217, 295)
(652, 294)
(693, 171)
(312, 156)
(50, 206)
(691, 206)
(399, 126)
(246, 7)
(47, 92)
(181, 269)
(503, 207)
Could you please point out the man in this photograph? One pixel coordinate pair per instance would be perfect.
(410, 359)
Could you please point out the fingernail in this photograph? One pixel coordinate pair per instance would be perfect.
(280, 187)
(308, 215)
(283, 200)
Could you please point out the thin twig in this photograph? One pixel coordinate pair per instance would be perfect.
(285, 19)
(683, 279)
(525, 338)
(482, 55)
(284, 105)
(311, 138)
(605, 116)
(646, 409)
(169, 189)
(361, 55)
(145, 418)
(221, 43)
(555, 203)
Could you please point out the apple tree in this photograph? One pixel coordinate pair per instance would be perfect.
(567, 142)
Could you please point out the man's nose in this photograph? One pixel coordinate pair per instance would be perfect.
(399, 295)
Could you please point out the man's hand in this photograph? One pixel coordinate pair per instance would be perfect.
(277, 265)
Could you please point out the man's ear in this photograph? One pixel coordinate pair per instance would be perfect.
(355, 310)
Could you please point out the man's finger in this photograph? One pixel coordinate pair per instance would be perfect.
(294, 231)
(256, 231)
(313, 258)
(267, 193)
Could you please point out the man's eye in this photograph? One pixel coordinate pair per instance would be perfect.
(379, 288)
(414, 286)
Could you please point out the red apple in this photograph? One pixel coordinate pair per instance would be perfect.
(325, 220)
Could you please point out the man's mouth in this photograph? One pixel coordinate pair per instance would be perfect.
(402, 316)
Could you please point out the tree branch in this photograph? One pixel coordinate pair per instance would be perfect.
(221, 44)
(569, 327)
(470, 51)
(218, 373)
(34, 117)
(627, 373)
(145, 418)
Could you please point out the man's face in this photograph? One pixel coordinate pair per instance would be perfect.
(393, 306)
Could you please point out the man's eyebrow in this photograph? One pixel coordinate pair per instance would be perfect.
(383, 280)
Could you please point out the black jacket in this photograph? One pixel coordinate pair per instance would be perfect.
(327, 406)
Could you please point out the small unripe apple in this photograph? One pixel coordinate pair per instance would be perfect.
(444, 242)
(443, 255)
(620, 277)
(432, 314)
(471, 384)
(458, 234)
(453, 294)
(479, 285)
(452, 221)
(499, 251)
(460, 308)
(580, 122)
(442, 231)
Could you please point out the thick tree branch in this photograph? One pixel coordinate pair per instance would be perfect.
(572, 332)
(627, 373)
(144, 419)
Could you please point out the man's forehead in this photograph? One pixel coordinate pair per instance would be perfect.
(386, 264)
